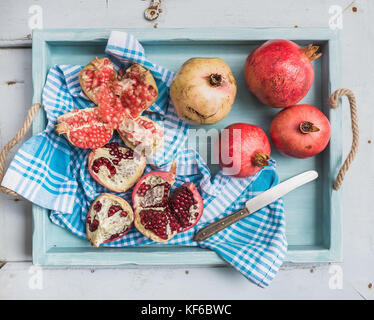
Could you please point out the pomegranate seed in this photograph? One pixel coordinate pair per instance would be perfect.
(97, 206)
(94, 225)
(124, 214)
(103, 162)
(113, 209)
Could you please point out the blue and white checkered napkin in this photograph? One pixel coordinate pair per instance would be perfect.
(51, 173)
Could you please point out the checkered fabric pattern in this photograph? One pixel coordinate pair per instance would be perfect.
(51, 173)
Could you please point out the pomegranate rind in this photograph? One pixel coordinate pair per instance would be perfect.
(92, 236)
(75, 133)
(91, 66)
(151, 142)
(194, 99)
(103, 178)
(279, 73)
(254, 146)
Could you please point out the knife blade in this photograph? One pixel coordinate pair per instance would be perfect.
(256, 203)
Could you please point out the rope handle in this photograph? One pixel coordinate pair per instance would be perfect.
(334, 102)
(20, 134)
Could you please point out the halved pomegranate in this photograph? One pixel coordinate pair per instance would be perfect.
(97, 74)
(159, 216)
(115, 167)
(108, 219)
(84, 129)
(141, 133)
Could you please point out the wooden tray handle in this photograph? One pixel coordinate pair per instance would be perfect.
(20, 134)
(334, 102)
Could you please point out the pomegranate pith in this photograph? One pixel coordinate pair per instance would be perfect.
(109, 218)
(116, 167)
(280, 73)
(300, 131)
(159, 215)
(141, 134)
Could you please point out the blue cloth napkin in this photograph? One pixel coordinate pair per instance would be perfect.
(51, 173)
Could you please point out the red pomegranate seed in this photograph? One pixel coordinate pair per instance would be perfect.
(94, 225)
(113, 209)
(97, 206)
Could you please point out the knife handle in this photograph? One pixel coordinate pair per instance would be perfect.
(220, 224)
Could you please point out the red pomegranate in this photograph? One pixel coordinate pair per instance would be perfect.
(115, 167)
(108, 219)
(300, 131)
(160, 216)
(280, 73)
(244, 149)
(121, 96)
(84, 129)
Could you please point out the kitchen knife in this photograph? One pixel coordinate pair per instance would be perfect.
(256, 203)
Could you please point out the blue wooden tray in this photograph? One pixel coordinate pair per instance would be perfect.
(312, 212)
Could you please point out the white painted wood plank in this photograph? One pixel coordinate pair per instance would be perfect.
(15, 97)
(21, 281)
(14, 24)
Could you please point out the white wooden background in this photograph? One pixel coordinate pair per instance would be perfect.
(307, 282)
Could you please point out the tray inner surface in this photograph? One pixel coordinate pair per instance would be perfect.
(307, 215)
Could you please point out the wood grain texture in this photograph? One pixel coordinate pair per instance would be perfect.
(15, 93)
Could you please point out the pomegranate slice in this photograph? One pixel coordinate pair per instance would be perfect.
(84, 129)
(115, 167)
(96, 75)
(108, 219)
(128, 97)
(141, 132)
(160, 216)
